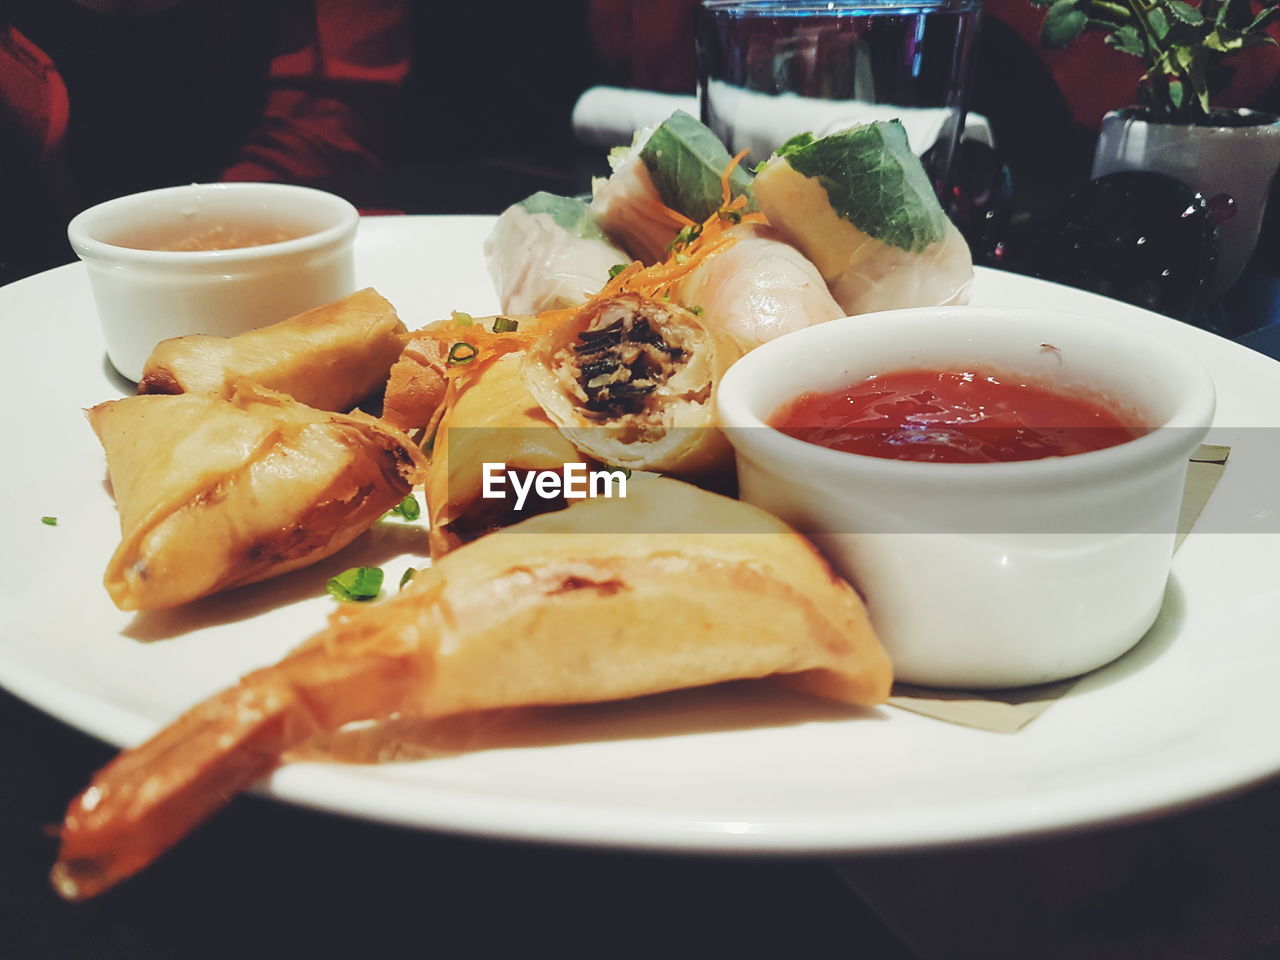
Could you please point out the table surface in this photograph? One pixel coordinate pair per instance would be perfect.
(267, 880)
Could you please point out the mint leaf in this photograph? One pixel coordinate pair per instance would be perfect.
(685, 160)
(574, 216)
(874, 181)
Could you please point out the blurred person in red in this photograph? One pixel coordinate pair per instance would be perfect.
(100, 98)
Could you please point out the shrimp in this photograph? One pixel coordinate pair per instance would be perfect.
(564, 616)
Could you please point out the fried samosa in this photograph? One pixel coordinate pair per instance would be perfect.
(493, 419)
(631, 381)
(214, 492)
(583, 605)
(330, 358)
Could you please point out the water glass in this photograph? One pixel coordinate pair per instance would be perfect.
(769, 69)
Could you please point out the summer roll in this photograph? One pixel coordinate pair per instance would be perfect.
(759, 288)
(548, 252)
(330, 358)
(860, 206)
(669, 178)
(492, 419)
(631, 381)
(217, 491)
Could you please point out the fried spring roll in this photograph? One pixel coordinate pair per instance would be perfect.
(214, 492)
(631, 381)
(579, 606)
(331, 357)
(494, 419)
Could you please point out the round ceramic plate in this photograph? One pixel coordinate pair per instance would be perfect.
(1189, 714)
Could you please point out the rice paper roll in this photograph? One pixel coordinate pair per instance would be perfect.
(217, 491)
(492, 419)
(631, 381)
(330, 357)
(675, 168)
(859, 205)
(759, 288)
(547, 252)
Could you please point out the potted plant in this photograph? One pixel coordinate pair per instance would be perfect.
(1229, 156)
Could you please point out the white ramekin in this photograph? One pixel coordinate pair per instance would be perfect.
(145, 296)
(983, 575)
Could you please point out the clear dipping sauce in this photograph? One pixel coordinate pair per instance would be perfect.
(220, 236)
(955, 417)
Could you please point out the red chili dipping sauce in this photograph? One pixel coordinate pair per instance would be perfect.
(967, 417)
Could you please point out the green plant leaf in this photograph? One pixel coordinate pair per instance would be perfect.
(1175, 94)
(1062, 25)
(573, 216)
(1158, 23)
(1128, 40)
(1264, 19)
(1184, 13)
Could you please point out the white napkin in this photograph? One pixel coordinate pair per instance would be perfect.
(608, 116)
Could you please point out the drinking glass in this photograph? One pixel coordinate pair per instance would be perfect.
(769, 69)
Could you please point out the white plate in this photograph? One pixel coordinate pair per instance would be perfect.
(1189, 714)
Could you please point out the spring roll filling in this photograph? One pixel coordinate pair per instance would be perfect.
(625, 370)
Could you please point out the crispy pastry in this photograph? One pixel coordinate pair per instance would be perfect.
(582, 605)
(330, 358)
(493, 419)
(215, 492)
(631, 381)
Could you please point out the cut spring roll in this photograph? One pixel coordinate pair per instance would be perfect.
(675, 168)
(547, 252)
(759, 288)
(214, 492)
(493, 419)
(330, 358)
(860, 206)
(582, 605)
(631, 381)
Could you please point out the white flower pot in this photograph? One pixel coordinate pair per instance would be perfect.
(1231, 166)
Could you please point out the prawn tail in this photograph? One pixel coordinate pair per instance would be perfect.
(152, 795)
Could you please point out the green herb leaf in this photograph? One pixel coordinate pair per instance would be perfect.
(49, 521)
(573, 216)
(874, 181)
(697, 311)
(355, 584)
(685, 160)
(799, 141)
(407, 576)
(406, 509)
(505, 325)
(462, 352)
(1062, 26)
(616, 269)
(462, 319)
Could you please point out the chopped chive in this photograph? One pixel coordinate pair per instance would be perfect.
(505, 325)
(616, 269)
(406, 577)
(49, 521)
(462, 319)
(697, 311)
(355, 584)
(462, 352)
(406, 509)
